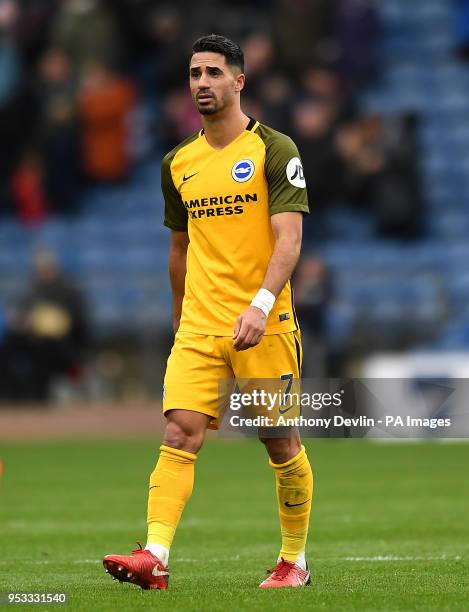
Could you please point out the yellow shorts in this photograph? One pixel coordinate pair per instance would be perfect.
(197, 363)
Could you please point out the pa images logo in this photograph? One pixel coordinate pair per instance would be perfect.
(242, 170)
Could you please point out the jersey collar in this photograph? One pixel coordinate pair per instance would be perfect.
(251, 126)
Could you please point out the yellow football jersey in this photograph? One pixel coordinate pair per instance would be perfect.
(224, 199)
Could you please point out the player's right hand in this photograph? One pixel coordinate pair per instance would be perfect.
(249, 328)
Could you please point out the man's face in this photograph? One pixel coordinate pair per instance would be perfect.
(214, 84)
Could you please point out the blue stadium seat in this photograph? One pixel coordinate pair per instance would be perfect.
(455, 336)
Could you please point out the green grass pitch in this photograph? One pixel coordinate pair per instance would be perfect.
(389, 528)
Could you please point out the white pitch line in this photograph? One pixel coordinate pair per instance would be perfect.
(398, 558)
(379, 558)
(212, 559)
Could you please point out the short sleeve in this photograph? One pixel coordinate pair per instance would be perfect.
(284, 174)
(175, 214)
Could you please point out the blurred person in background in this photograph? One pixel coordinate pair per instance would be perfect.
(179, 118)
(87, 32)
(461, 29)
(57, 138)
(320, 81)
(359, 148)
(354, 32)
(154, 42)
(166, 26)
(380, 171)
(32, 29)
(48, 336)
(132, 19)
(321, 106)
(21, 378)
(275, 98)
(259, 54)
(312, 294)
(16, 104)
(398, 196)
(10, 65)
(267, 95)
(300, 29)
(314, 124)
(27, 190)
(105, 101)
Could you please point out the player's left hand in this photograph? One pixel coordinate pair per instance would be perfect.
(249, 328)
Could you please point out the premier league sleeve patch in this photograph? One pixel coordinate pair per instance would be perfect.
(242, 170)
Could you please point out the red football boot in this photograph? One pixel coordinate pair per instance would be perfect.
(141, 568)
(286, 574)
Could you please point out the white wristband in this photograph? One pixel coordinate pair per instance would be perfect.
(264, 300)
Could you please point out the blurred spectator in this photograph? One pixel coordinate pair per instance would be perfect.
(267, 93)
(32, 28)
(105, 101)
(312, 294)
(2, 324)
(300, 28)
(57, 133)
(86, 31)
(135, 25)
(253, 107)
(20, 380)
(259, 55)
(275, 97)
(461, 29)
(381, 171)
(354, 29)
(179, 118)
(321, 82)
(398, 197)
(16, 104)
(28, 192)
(358, 144)
(10, 70)
(48, 337)
(132, 19)
(313, 129)
(165, 26)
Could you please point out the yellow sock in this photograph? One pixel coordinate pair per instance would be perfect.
(294, 480)
(171, 485)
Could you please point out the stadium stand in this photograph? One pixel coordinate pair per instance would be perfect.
(386, 292)
(419, 285)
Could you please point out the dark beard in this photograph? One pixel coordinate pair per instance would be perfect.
(207, 111)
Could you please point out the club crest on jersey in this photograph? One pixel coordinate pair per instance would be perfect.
(242, 170)
(295, 173)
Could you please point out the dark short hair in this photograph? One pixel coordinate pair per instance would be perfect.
(215, 43)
